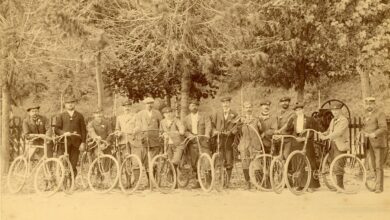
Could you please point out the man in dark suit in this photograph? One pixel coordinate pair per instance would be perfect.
(72, 121)
(268, 125)
(100, 128)
(284, 124)
(197, 123)
(223, 125)
(375, 129)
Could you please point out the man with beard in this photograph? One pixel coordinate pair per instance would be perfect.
(224, 126)
(99, 128)
(37, 124)
(197, 123)
(285, 125)
(249, 145)
(267, 125)
(68, 122)
(338, 134)
(375, 129)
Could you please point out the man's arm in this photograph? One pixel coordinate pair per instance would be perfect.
(83, 129)
(25, 128)
(208, 125)
(382, 125)
(339, 129)
(91, 130)
(59, 125)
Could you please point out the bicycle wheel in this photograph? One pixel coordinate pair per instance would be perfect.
(276, 175)
(103, 174)
(205, 172)
(130, 174)
(49, 176)
(220, 174)
(17, 174)
(85, 162)
(165, 177)
(68, 184)
(297, 172)
(325, 173)
(352, 171)
(183, 173)
(259, 172)
(371, 176)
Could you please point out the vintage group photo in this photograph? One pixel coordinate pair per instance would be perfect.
(189, 109)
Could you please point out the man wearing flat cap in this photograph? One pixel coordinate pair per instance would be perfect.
(72, 121)
(338, 135)
(35, 123)
(125, 124)
(100, 128)
(148, 122)
(375, 130)
(284, 124)
(197, 123)
(224, 128)
(268, 124)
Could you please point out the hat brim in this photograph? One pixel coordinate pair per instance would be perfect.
(29, 109)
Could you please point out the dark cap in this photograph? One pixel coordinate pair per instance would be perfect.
(70, 99)
(126, 102)
(33, 107)
(336, 105)
(194, 101)
(298, 105)
(284, 99)
(265, 102)
(226, 99)
(166, 110)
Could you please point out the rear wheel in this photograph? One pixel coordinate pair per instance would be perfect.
(130, 174)
(68, 184)
(85, 163)
(219, 171)
(49, 176)
(103, 174)
(349, 171)
(165, 177)
(276, 175)
(17, 175)
(205, 172)
(259, 172)
(297, 172)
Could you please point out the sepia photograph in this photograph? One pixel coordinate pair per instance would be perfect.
(195, 109)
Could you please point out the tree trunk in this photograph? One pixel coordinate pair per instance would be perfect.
(365, 82)
(185, 93)
(99, 81)
(4, 150)
(167, 100)
(300, 84)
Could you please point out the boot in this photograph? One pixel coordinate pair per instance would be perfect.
(247, 179)
(175, 168)
(136, 178)
(379, 181)
(208, 177)
(229, 175)
(340, 181)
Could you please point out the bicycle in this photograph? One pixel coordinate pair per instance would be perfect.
(50, 170)
(277, 164)
(218, 162)
(103, 173)
(69, 180)
(85, 161)
(368, 163)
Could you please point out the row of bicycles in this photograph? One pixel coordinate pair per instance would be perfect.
(104, 166)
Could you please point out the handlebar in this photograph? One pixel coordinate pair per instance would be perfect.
(33, 137)
(66, 135)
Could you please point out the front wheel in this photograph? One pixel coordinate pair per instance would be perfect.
(49, 176)
(85, 162)
(297, 172)
(103, 174)
(219, 171)
(276, 175)
(17, 174)
(348, 173)
(130, 174)
(165, 177)
(205, 172)
(259, 172)
(325, 173)
(68, 184)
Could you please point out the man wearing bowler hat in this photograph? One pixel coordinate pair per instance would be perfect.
(197, 123)
(338, 135)
(37, 124)
(68, 122)
(375, 130)
(223, 125)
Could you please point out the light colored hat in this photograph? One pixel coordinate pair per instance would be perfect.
(336, 105)
(370, 99)
(148, 100)
(247, 104)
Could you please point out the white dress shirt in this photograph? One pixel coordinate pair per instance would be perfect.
(300, 122)
(194, 123)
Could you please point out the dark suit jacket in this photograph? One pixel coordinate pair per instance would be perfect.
(376, 123)
(220, 124)
(76, 123)
(204, 124)
(39, 126)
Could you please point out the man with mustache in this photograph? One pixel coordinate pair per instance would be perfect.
(267, 125)
(375, 130)
(284, 124)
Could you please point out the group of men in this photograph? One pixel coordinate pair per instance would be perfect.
(224, 125)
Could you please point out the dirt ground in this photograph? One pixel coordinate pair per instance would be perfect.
(195, 204)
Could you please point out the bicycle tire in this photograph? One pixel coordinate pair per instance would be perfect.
(359, 172)
(183, 174)
(205, 181)
(126, 170)
(263, 184)
(325, 173)
(219, 172)
(161, 162)
(60, 170)
(85, 162)
(107, 167)
(297, 174)
(21, 160)
(276, 175)
(69, 175)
